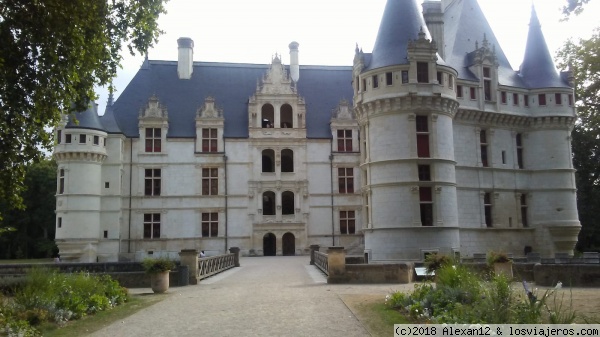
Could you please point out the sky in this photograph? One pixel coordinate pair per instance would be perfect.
(243, 31)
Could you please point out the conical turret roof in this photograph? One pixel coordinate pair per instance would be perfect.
(401, 22)
(108, 120)
(537, 69)
(87, 119)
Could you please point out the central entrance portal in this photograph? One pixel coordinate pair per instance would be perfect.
(289, 244)
(269, 244)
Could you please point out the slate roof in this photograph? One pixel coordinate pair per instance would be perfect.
(322, 88)
(538, 69)
(86, 120)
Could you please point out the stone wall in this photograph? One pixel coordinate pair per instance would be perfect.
(571, 275)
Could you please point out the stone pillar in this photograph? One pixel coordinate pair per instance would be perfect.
(189, 258)
(236, 259)
(313, 249)
(336, 260)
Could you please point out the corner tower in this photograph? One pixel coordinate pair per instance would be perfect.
(405, 101)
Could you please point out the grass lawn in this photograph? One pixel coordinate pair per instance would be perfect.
(90, 324)
(374, 315)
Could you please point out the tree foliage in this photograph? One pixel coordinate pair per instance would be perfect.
(574, 7)
(583, 56)
(53, 54)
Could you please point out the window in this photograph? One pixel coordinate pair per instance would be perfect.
(210, 225)
(104, 141)
(267, 115)
(82, 139)
(286, 116)
(344, 140)
(526, 100)
(96, 140)
(389, 78)
(472, 93)
(268, 160)
(503, 157)
(487, 84)
(106, 184)
(375, 81)
(515, 99)
(68, 138)
(422, 137)
(558, 99)
(519, 140)
(426, 205)
(487, 206)
(210, 181)
(106, 234)
(59, 136)
(422, 72)
(287, 203)
(152, 182)
(209, 140)
(459, 91)
(503, 97)
(357, 82)
(59, 222)
(486, 72)
(542, 99)
(364, 84)
(347, 222)
(153, 141)
(268, 203)
(440, 78)
(61, 181)
(450, 81)
(404, 76)
(287, 160)
(570, 99)
(484, 147)
(524, 210)
(424, 172)
(151, 225)
(346, 180)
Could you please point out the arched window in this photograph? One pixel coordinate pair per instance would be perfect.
(287, 203)
(287, 160)
(286, 116)
(268, 203)
(268, 160)
(267, 116)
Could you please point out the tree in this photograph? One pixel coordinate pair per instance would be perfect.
(53, 54)
(574, 7)
(583, 57)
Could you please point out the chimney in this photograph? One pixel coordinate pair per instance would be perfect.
(294, 65)
(434, 18)
(185, 61)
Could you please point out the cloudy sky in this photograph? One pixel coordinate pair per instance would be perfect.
(328, 30)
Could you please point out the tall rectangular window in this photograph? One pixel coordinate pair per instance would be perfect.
(484, 147)
(59, 222)
(96, 140)
(487, 208)
(82, 139)
(68, 138)
(519, 141)
(151, 225)
(424, 172)
(440, 78)
(459, 91)
(558, 99)
(426, 206)
(503, 97)
(61, 181)
(404, 76)
(515, 99)
(344, 140)
(364, 85)
(152, 182)
(210, 225)
(487, 83)
(153, 139)
(542, 99)
(422, 136)
(570, 100)
(59, 136)
(209, 140)
(524, 210)
(389, 78)
(375, 81)
(422, 72)
(347, 222)
(450, 81)
(210, 181)
(357, 82)
(473, 93)
(526, 100)
(346, 180)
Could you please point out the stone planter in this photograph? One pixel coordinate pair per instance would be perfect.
(159, 282)
(504, 268)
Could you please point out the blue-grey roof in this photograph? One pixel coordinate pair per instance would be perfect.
(322, 88)
(464, 24)
(109, 121)
(87, 119)
(537, 69)
(401, 22)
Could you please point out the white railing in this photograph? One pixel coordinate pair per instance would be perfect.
(209, 266)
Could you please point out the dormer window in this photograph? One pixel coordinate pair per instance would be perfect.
(153, 139)
(487, 84)
(422, 72)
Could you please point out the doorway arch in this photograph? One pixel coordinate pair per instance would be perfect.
(289, 244)
(269, 245)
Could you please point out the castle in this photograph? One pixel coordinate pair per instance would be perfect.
(430, 143)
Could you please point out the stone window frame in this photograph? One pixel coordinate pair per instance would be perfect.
(210, 181)
(209, 224)
(346, 217)
(153, 140)
(152, 182)
(210, 140)
(152, 225)
(345, 177)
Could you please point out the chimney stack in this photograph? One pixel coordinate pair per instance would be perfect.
(294, 65)
(185, 61)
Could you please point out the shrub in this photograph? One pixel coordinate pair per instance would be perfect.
(159, 265)
(436, 261)
(497, 257)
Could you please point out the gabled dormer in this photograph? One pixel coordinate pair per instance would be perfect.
(483, 63)
(209, 127)
(422, 55)
(344, 129)
(276, 104)
(153, 127)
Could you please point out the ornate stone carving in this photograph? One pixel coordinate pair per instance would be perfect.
(154, 109)
(209, 110)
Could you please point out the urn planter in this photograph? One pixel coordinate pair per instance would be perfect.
(158, 269)
(159, 282)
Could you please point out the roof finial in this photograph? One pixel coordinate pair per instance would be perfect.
(110, 98)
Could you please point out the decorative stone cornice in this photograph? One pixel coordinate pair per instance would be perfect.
(487, 118)
(80, 156)
(409, 103)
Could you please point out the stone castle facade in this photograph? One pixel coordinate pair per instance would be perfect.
(430, 143)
